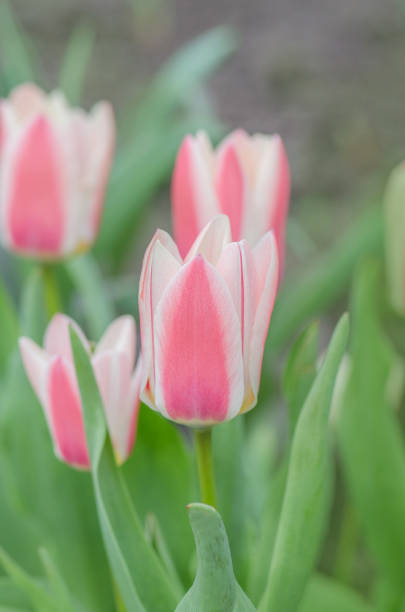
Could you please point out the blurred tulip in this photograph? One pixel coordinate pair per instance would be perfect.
(54, 166)
(204, 322)
(51, 372)
(246, 178)
(394, 211)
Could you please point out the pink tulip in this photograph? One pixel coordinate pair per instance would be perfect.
(246, 178)
(204, 322)
(51, 372)
(54, 166)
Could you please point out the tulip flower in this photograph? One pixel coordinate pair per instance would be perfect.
(54, 166)
(246, 178)
(204, 322)
(394, 209)
(51, 371)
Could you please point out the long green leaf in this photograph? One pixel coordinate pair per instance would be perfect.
(371, 442)
(306, 499)
(139, 574)
(76, 61)
(15, 55)
(215, 588)
(9, 328)
(11, 595)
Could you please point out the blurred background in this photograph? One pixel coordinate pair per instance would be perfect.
(326, 75)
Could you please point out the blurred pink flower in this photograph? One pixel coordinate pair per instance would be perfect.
(54, 166)
(51, 372)
(246, 178)
(204, 321)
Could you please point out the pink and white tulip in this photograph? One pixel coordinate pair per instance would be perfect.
(51, 372)
(246, 178)
(204, 321)
(54, 167)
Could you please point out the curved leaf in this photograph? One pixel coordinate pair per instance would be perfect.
(307, 495)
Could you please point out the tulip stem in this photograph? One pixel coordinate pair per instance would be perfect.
(51, 292)
(203, 445)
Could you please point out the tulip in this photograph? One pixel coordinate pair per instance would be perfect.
(246, 178)
(394, 213)
(204, 322)
(52, 374)
(54, 166)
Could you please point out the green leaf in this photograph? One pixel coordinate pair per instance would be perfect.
(161, 456)
(326, 595)
(307, 494)
(76, 62)
(32, 315)
(138, 572)
(11, 595)
(56, 582)
(14, 52)
(215, 588)
(9, 328)
(303, 298)
(183, 72)
(87, 280)
(370, 438)
(300, 371)
(34, 589)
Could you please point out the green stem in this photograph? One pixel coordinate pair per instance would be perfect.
(51, 291)
(203, 445)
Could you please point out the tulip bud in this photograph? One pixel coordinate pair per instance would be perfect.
(246, 178)
(204, 321)
(394, 211)
(54, 166)
(51, 372)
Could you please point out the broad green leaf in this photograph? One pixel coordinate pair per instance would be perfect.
(9, 328)
(326, 595)
(215, 588)
(161, 457)
(139, 574)
(371, 441)
(307, 494)
(76, 62)
(86, 278)
(300, 371)
(33, 588)
(15, 54)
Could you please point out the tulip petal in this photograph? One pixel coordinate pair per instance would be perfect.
(161, 269)
(120, 336)
(113, 374)
(36, 362)
(65, 410)
(57, 337)
(267, 273)
(230, 186)
(194, 201)
(34, 192)
(211, 240)
(26, 100)
(199, 368)
(273, 191)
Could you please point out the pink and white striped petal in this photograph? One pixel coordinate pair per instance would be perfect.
(36, 363)
(199, 367)
(120, 337)
(194, 201)
(34, 199)
(57, 337)
(162, 268)
(211, 240)
(231, 187)
(65, 414)
(267, 274)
